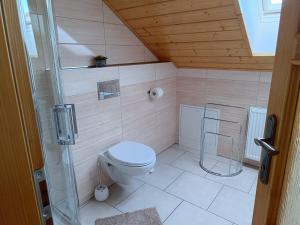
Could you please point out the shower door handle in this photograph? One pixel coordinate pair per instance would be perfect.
(65, 124)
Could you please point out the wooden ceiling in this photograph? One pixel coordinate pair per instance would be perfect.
(192, 33)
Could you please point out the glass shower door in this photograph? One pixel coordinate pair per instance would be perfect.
(55, 119)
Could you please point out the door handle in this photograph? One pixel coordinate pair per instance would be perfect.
(268, 149)
(265, 144)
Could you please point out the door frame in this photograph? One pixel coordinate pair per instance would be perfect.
(20, 145)
(282, 103)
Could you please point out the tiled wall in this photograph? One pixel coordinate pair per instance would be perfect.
(235, 88)
(239, 88)
(89, 28)
(131, 116)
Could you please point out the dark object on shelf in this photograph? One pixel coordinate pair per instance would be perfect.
(100, 61)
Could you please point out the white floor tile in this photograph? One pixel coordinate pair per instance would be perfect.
(148, 196)
(95, 210)
(195, 189)
(162, 176)
(234, 205)
(119, 193)
(253, 188)
(189, 162)
(242, 181)
(169, 155)
(189, 214)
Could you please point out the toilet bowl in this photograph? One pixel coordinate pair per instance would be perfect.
(126, 160)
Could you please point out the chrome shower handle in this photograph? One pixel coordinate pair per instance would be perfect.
(65, 124)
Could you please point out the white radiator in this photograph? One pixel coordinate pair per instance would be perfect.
(256, 125)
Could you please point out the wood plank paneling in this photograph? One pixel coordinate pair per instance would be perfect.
(207, 36)
(125, 4)
(218, 59)
(213, 14)
(177, 28)
(227, 66)
(221, 25)
(199, 45)
(171, 7)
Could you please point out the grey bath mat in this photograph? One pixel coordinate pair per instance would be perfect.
(140, 217)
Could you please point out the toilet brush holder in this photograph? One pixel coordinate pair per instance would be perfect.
(101, 193)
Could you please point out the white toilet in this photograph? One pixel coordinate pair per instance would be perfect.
(127, 159)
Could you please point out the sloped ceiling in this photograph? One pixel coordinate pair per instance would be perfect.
(192, 33)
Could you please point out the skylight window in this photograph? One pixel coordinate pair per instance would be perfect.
(261, 18)
(272, 6)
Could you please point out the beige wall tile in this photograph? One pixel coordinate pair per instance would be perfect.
(75, 31)
(265, 77)
(193, 85)
(75, 55)
(149, 56)
(194, 73)
(109, 16)
(122, 54)
(86, 10)
(238, 93)
(95, 30)
(119, 34)
(190, 98)
(136, 74)
(137, 110)
(233, 75)
(94, 146)
(165, 70)
(136, 92)
(81, 81)
(168, 100)
(166, 128)
(263, 94)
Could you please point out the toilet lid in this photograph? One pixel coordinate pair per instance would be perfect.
(132, 154)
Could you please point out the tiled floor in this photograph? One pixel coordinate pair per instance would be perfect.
(182, 193)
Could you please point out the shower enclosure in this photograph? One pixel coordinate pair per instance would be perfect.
(223, 139)
(56, 120)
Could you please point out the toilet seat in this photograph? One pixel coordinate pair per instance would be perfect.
(131, 154)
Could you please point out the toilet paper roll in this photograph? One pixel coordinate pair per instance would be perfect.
(156, 93)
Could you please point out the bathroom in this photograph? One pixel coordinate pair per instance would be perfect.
(61, 48)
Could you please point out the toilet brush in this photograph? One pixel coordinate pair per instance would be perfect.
(101, 191)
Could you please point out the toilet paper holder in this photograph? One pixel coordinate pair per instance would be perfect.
(155, 93)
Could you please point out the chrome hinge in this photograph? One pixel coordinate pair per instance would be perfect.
(42, 196)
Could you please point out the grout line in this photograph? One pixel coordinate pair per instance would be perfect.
(226, 185)
(179, 175)
(173, 211)
(215, 197)
(175, 196)
(254, 183)
(177, 157)
(130, 195)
